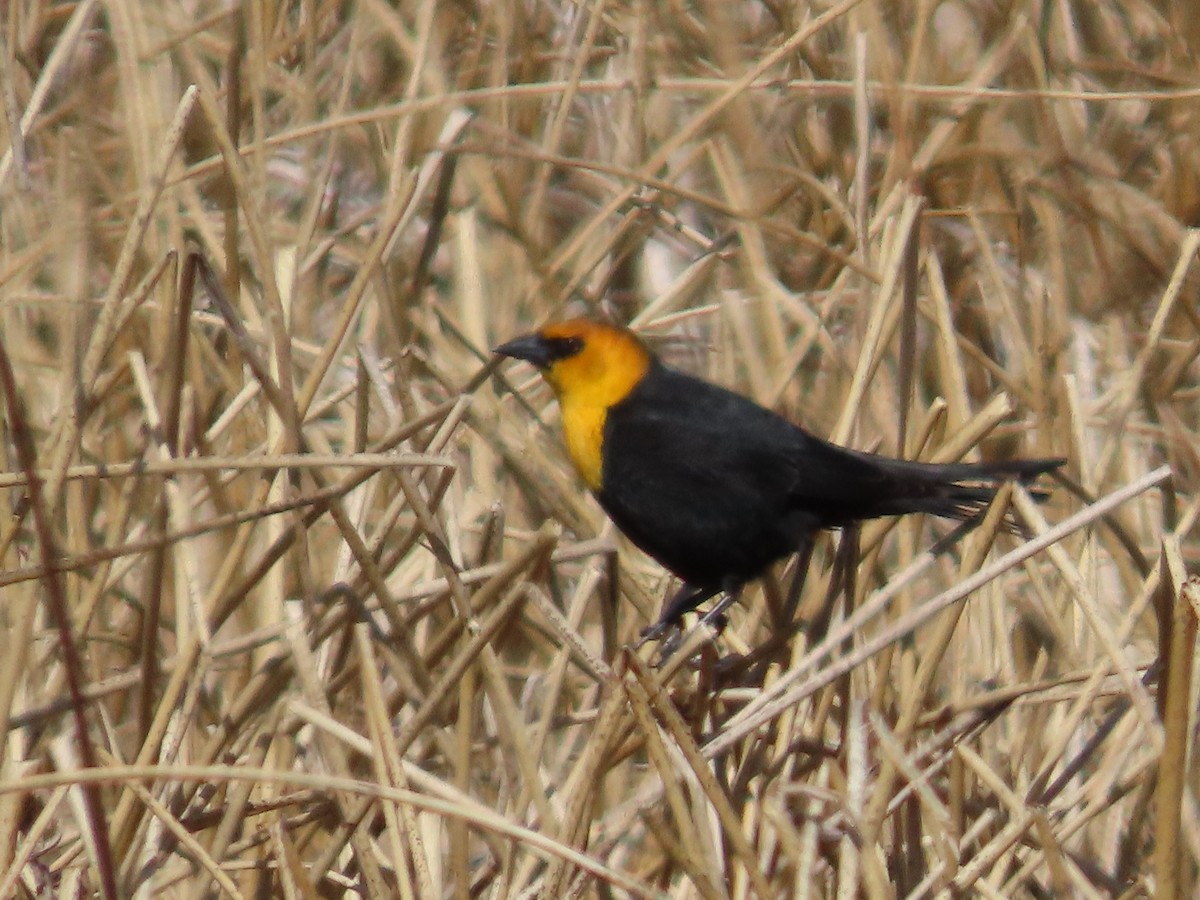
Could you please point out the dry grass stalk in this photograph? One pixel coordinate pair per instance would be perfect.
(344, 619)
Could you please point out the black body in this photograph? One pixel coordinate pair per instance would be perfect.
(716, 487)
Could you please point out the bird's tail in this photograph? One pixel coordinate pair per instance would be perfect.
(960, 491)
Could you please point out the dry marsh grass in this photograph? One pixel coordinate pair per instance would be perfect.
(298, 594)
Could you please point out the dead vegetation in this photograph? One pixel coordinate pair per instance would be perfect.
(298, 596)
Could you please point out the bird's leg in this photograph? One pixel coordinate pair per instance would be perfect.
(686, 599)
(732, 591)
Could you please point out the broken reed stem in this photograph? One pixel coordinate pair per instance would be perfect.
(1173, 769)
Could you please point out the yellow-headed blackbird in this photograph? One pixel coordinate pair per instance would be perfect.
(709, 483)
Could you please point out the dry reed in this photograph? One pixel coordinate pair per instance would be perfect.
(298, 595)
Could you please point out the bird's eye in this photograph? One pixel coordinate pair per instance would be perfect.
(566, 347)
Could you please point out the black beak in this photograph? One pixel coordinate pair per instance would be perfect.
(533, 348)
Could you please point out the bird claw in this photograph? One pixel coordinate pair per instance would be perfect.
(715, 618)
(657, 630)
(653, 632)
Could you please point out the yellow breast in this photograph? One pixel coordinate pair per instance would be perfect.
(583, 427)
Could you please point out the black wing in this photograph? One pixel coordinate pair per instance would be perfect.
(715, 486)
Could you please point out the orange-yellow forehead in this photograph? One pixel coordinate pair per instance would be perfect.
(586, 330)
(570, 328)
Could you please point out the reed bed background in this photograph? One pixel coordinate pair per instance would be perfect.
(298, 594)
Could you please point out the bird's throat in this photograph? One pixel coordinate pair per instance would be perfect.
(583, 426)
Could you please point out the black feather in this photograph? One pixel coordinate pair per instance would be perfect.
(716, 487)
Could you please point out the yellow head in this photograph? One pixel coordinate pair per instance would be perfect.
(590, 366)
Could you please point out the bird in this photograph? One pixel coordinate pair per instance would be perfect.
(710, 484)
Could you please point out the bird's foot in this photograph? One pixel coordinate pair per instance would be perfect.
(675, 633)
